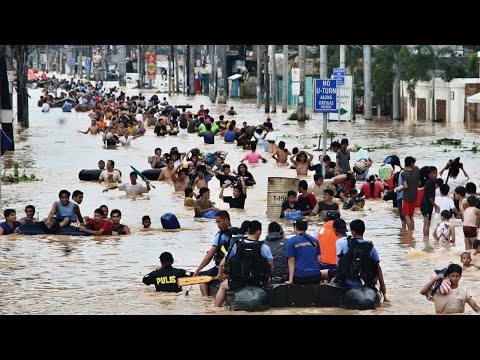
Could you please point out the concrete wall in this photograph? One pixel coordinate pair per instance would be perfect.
(455, 108)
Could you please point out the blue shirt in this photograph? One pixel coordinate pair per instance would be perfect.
(400, 182)
(7, 229)
(342, 247)
(265, 250)
(305, 254)
(220, 239)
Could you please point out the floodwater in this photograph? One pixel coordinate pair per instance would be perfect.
(91, 275)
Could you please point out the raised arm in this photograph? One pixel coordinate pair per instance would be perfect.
(292, 159)
(110, 188)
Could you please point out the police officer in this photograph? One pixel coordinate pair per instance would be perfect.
(165, 278)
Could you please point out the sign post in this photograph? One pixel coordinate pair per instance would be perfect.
(339, 75)
(325, 101)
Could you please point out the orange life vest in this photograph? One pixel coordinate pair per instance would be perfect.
(327, 240)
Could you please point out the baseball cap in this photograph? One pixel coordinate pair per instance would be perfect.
(340, 225)
(331, 215)
(166, 258)
(300, 221)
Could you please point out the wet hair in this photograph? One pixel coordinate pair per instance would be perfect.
(253, 146)
(254, 226)
(8, 212)
(344, 142)
(115, 211)
(133, 173)
(63, 192)
(145, 217)
(158, 149)
(454, 268)
(358, 226)
(291, 193)
(471, 188)
(439, 181)
(335, 144)
(317, 177)
(113, 162)
(30, 207)
(244, 227)
(371, 181)
(444, 189)
(431, 169)
(241, 166)
(77, 193)
(472, 200)
(446, 214)
(275, 227)
(460, 190)
(222, 214)
(409, 161)
(303, 184)
(328, 191)
(295, 150)
(203, 190)
(188, 191)
(326, 158)
(99, 211)
(281, 145)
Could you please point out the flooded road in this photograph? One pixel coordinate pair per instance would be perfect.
(88, 275)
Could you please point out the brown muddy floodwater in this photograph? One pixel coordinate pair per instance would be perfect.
(91, 275)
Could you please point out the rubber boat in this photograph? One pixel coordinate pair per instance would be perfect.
(37, 229)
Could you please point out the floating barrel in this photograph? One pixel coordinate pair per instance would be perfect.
(360, 298)
(249, 298)
(278, 188)
(91, 174)
(153, 174)
(170, 221)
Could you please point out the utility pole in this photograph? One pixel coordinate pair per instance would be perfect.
(324, 75)
(267, 79)
(212, 76)
(191, 71)
(367, 80)
(342, 56)
(259, 75)
(274, 79)
(221, 60)
(175, 65)
(285, 80)
(80, 62)
(122, 65)
(301, 97)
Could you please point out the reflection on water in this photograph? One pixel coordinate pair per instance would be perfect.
(87, 275)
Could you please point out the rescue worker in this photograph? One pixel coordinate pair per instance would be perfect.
(165, 278)
(249, 262)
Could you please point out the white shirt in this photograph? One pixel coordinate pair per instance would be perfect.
(45, 107)
(139, 117)
(125, 141)
(454, 183)
(137, 189)
(444, 203)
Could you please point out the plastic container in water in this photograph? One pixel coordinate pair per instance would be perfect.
(278, 188)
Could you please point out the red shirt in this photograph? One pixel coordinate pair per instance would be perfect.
(103, 225)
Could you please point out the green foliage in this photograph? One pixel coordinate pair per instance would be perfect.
(472, 64)
(16, 177)
(294, 116)
(447, 141)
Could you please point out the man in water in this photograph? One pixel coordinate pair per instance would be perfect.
(63, 212)
(165, 278)
(133, 188)
(117, 228)
(92, 129)
(146, 222)
(11, 224)
(110, 175)
(98, 223)
(281, 154)
(29, 215)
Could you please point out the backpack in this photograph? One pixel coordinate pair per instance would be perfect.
(248, 264)
(357, 264)
(183, 122)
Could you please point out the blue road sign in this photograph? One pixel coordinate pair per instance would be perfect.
(339, 75)
(325, 95)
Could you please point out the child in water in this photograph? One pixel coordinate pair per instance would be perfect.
(445, 230)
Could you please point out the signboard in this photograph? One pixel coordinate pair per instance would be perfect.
(43, 58)
(295, 88)
(345, 99)
(295, 74)
(339, 75)
(325, 95)
(151, 58)
(88, 66)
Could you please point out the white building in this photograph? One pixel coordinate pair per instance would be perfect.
(450, 99)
